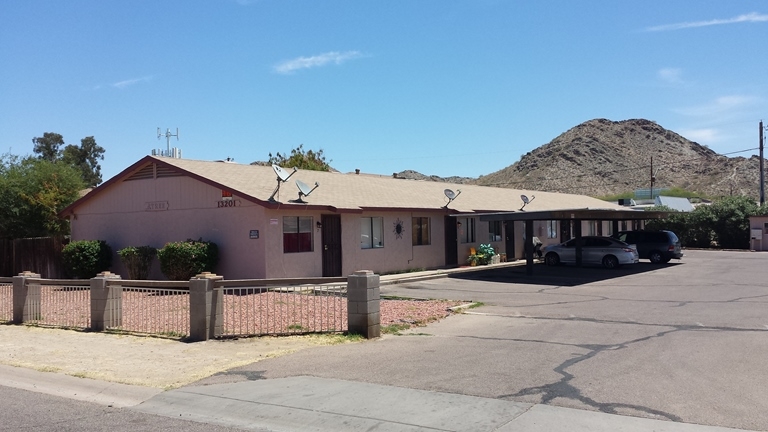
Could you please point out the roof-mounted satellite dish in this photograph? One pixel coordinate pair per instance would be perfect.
(304, 190)
(282, 177)
(526, 201)
(451, 195)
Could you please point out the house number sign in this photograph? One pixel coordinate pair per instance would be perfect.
(228, 203)
(155, 205)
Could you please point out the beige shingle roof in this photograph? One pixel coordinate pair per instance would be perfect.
(356, 192)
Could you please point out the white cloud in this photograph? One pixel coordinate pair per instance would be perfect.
(333, 57)
(670, 75)
(702, 136)
(746, 18)
(719, 106)
(130, 82)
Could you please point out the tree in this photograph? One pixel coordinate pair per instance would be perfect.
(85, 158)
(33, 191)
(47, 147)
(309, 160)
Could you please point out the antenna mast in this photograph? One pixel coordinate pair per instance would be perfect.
(169, 152)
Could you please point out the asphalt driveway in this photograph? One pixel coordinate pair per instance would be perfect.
(683, 342)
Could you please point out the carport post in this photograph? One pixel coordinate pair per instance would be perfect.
(528, 247)
(577, 234)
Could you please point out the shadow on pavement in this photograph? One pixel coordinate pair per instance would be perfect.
(562, 275)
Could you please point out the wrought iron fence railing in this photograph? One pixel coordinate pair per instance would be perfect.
(258, 310)
(62, 303)
(152, 307)
(6, 299)
(231, 308)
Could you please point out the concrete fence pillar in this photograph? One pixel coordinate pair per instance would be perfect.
(106, 302)
(363, 304)
(26, 298)
(206, 307)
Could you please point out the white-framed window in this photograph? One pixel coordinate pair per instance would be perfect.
(552, 229)
(592, 225)
(371, 232)
(420, 229)
(494, 231)
(467, 230)
(297, 234)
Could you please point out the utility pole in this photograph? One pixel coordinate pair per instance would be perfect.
(762, 168)
(653, 178)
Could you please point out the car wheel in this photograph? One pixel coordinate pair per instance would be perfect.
(656, 257)
(552, 259)
(666, 260)
(610, 262)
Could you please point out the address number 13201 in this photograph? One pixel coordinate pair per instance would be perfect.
(228, 203)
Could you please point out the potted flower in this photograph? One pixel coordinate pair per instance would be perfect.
(473, 259)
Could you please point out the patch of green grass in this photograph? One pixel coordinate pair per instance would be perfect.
(297, 327)
(475, 305)
(394, 328)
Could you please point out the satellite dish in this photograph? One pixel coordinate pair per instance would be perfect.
(526, 201)
(451, 195)
(281, 173)
(304, 190)
(282, 177)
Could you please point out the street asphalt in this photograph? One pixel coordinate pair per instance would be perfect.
(643, 348)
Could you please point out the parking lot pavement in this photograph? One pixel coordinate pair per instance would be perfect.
(684, 342)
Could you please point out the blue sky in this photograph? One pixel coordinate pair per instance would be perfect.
(442, 87)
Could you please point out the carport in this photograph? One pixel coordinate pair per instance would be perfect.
(575, 215)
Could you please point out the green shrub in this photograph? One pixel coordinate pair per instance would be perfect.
(84, 259)
(184, 260)
(485, 253)
(137, 260)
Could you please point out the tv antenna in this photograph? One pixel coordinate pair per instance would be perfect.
(451, 195)
(282, 177)
(304, 191)
(169, 152)
(526, 201)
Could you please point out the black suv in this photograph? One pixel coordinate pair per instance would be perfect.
(657, 246)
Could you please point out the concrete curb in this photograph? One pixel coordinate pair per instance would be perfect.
(83, 389)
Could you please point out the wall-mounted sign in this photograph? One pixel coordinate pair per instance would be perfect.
(254, 234)
(226, 195)
(228, 203)
(155, 205)
(273, 221)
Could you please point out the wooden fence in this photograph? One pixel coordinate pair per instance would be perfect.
(41, 255)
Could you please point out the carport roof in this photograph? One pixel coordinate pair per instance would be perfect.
(576, 214)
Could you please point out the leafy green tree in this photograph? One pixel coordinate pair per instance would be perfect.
(84, 157)
(308, 160)
(731, 221)
(33, 191)
(47, 146)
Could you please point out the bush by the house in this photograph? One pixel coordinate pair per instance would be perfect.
(137, 260)
(723, 224)
(85, 259)
(184, 260)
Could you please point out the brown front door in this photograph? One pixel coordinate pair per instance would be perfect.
(331, 245)
(509, 239)
(451, 245)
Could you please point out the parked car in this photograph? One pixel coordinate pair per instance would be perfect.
(657, 246)
(605, 251)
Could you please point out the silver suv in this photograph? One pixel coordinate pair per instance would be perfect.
(657, 246)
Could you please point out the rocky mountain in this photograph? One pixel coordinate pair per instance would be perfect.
(602, 157)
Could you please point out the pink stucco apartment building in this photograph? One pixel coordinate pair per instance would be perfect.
(348, 222)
